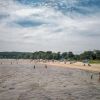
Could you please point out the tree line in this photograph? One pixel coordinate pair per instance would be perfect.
(49, 55)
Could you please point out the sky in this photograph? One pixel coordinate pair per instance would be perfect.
(49, 25)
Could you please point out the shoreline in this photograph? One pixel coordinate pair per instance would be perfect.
(75, 65)
(78, 65)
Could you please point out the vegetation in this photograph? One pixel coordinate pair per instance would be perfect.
(95, 61)
(49, 55)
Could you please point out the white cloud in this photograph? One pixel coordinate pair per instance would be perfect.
(28, 12)
(58, 31)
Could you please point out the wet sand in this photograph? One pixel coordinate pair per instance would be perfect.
(20, 81)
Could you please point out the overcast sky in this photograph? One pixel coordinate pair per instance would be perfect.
(57, 25)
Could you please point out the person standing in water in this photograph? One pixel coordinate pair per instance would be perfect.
(91, 76)
(34, 66)
(46, 66)
(99, 76)
(11, 63)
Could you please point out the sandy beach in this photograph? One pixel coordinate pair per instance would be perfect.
(19, 80)
(77, 65)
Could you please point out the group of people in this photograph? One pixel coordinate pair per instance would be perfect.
(86, 62)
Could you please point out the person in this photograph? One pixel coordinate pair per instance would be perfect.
(92, 76)
(46, 66)
(70, 62)
(34, 66)
(89, 64)
(99, 76)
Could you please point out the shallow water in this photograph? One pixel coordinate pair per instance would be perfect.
(20, 81)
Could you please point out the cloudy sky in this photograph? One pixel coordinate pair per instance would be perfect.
(57, 25)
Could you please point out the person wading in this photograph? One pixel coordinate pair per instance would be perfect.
(46, 66)
(91, 76)
(99, 76)
(34, 66)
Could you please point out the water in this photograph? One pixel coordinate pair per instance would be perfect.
(22, 82)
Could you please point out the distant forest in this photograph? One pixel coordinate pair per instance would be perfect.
(49, 55)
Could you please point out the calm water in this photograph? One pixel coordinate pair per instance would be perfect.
(20, 81)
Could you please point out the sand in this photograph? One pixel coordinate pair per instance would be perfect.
(20, 81)
(77, 65)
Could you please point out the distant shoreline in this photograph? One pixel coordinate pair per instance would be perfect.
(75, 65)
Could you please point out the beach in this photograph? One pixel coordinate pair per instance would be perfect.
(20, 80)
(77, 65)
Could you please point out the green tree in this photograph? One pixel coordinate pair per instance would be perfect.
(64, 55)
